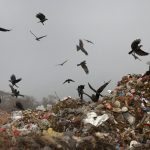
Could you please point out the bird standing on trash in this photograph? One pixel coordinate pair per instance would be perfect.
(41, 17)
(4, 30)
(136, 48)
(19, 106)
(84, 66)
(15, 92)
(81, 47)
(95, 97)
(68, 80)
(80, 91)
(37, 38)
(13, 80)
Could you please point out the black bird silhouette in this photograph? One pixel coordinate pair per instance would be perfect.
(15, 92)
(136, 48)
(37, 38)
(13, 80)
(95, 97)
(68, 80)
(63, 63)
(41, 17)
(19, 106)
(4, 30)
(80, 91)
(81, 47)
(84, 66)
(88, 41)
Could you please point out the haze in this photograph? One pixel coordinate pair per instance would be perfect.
(111, 25)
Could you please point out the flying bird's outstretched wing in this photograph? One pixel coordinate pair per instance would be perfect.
(83, 65)
(42, 37)
(89, 41)
(84, 51)
(68, 80)
(4, 30)
(33, 34)
(63, 63)
(141, 52)
(71, 80)
(92, 88)
(103, 87)
(18, 80)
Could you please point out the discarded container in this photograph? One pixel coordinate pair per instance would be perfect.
(15, 115)
(95, 120)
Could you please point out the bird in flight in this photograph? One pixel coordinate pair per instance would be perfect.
(41, 17)
(4, 30)
(62, 63)
(68, 80)
(95, 97)
(81, 47)
(88, 41)
(13, 80)
(84, 66)
(136, 48)
(37, 38)
(15, 92)
(19, 106)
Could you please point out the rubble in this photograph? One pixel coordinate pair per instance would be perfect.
(120, 120)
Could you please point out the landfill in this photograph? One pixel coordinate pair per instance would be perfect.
(120, 120)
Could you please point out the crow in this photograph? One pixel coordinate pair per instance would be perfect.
(88, 41)
(63, 63)
(83, 65)
(41, 17)
(80, 91)
(136, 48)
(95, 97)
(68, 80)
(37, 38)
(4, 30)
(15, 92)
(19, 106)
(81, 47)
(13, 80)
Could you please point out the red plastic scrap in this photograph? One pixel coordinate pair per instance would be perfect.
(2, 129)
(16, 132)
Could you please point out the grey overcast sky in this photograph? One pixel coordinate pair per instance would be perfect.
(111, 24)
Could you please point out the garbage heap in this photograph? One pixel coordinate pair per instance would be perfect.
(120, 120)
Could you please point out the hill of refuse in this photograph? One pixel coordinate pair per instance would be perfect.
(120, 120)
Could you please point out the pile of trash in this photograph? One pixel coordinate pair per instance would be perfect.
(120, 120)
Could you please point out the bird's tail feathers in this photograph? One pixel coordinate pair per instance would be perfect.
(130, 52)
